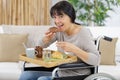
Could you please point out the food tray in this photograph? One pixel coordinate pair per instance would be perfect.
(48, 64)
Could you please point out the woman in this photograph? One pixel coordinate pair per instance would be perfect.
(70, 37)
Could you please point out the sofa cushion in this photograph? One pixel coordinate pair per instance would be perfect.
(107, 47)
(110, 69)
(111, 32)
(11, 45)
(35, 32)
(1, 29)
(9, 71)
(100, 76)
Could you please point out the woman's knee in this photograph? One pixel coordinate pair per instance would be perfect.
(28, 75)
(45, 78)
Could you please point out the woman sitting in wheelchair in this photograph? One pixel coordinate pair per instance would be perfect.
(71, 37)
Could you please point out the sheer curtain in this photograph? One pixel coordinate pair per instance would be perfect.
(25, 12)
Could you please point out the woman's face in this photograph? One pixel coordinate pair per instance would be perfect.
(62, 22)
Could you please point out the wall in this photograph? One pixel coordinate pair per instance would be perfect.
(114, 19)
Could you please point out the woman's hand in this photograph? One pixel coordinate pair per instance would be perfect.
(50, 34)
(69, 47)
(66, 46)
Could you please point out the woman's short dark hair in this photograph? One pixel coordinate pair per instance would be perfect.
(63, 7)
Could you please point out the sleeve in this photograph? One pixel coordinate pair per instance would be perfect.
(44, 45)
(90, 47)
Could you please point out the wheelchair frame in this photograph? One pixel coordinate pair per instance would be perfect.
(54, 70)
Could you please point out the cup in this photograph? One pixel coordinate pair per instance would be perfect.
(31, 52)
(46, 54)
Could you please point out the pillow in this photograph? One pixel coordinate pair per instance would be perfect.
(107, 47)
(11, 45)
(35, 32)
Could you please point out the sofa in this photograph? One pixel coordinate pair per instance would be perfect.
(10, 69)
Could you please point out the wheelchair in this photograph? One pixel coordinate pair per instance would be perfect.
(68, 66)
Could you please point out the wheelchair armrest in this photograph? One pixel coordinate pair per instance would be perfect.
(73, 65)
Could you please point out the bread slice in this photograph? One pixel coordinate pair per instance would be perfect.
(57, 55)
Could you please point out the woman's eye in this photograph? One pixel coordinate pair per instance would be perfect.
(61, 16)
(57, 17)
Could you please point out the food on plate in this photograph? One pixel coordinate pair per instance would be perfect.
(39, 50)
(57, 55)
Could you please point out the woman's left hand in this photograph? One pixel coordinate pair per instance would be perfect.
(69, 47)
(66, 46)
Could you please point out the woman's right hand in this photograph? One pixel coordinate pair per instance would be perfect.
(50, 34)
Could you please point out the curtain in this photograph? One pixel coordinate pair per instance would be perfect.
(25, 12)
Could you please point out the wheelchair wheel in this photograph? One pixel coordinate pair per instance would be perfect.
(100, 76)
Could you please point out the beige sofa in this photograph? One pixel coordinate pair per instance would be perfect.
(10, 67)
(112, 68)
(11, 70)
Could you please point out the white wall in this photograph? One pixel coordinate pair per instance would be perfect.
(114, 19)
(54, 1)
